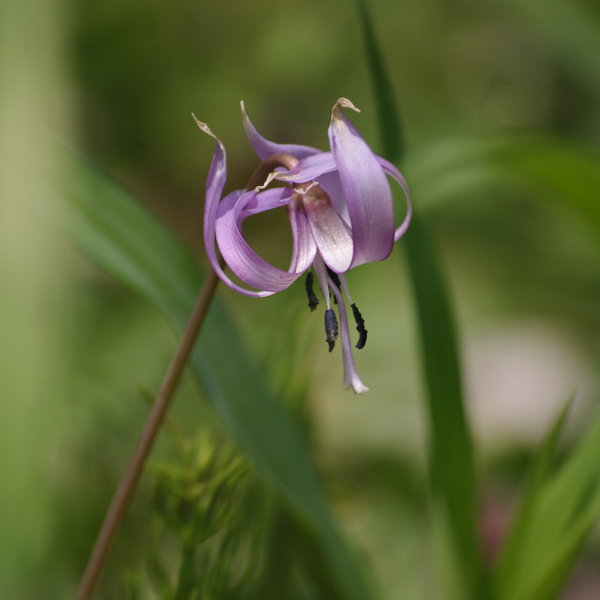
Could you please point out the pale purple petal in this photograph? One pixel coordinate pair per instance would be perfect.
(323, 169)
(214, 188)
(304, 248)
(392, 171)
(240, 258)
(309, 168)
(351, 378)
(330, 182)
(264, 148)
(366, 189)
(331, 235)
(267, 200)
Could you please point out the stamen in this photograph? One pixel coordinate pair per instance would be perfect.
(331, 328)
(313, 301)
(345, 288)
(334, 277)
(321, 273)
(360, 327)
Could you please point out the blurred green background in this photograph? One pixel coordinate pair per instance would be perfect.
(118, 81)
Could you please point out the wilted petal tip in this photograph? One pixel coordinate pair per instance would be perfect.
(244, 113)
(343, 103)
(204, 127)
(358, 387)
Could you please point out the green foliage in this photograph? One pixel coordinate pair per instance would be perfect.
(558, 510)
(511, 558)
(201, 501)
(387, 112)
(217, 532)
(549, 168)
(556, 516)
(122, 238)
(451, 448)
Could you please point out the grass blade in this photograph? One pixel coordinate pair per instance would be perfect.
(451, 450)
(508, 568)
(559, 511)
(387, 112)
(563, 514)
(451, 457)
(549, 168)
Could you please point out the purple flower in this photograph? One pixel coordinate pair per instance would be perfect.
(340, 208)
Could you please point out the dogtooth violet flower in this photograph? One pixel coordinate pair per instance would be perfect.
(340, 209)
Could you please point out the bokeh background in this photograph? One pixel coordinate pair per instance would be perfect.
(118, 81)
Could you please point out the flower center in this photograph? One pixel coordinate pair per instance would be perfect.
(268, 166)
(311, 197)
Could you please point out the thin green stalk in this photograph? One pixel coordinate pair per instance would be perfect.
(128, 484)
(451, 459)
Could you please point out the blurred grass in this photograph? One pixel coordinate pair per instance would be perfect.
(35, 283)
(451, 458)
(134, 73)
(128, 243)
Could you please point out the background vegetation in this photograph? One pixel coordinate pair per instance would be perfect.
(499, 110)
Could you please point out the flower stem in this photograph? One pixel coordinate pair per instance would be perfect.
(128, 484)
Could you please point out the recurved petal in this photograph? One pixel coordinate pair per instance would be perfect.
(264, 148)
(330, 233)
(267, 200)
(309, 168)
(304, 248)
(330, 182)
(392, 171)
(365, 186)
(241, 259)
(214, 188)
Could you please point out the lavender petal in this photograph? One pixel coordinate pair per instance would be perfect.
(264, 148)
(214, 188)
(330, 233)
(366, 189)
(392, 171)
(304, 247)
(240, 258)
(309, 168)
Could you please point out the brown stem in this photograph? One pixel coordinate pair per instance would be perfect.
(128, 483)
(275, 160)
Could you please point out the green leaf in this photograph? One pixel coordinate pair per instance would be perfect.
(387, 114)
(560, 518)
(124, 240)
(509, 563)
(558, 512)
(451, 450)
(549, 168)
(451, 456)
(548, 577)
